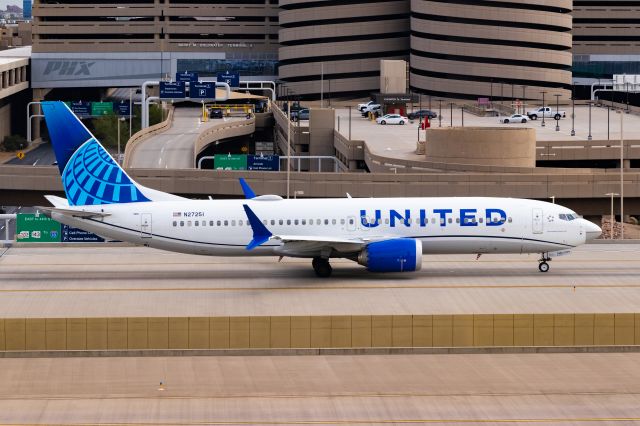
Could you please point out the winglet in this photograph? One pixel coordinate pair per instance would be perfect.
(248, 192)
(260, 232)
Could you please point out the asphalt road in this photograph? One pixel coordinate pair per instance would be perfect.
(52, 281)
(42, 155)
(173, 149)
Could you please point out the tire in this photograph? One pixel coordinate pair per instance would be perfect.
(383, 122)
(524, 121)
(322, 267)
(533, 117)
(506, 121)
(401, 123)
(557, 117)
(543, 267)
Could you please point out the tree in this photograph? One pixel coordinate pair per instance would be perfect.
(14, 143)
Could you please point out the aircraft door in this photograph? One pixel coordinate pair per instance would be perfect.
(537, 225)
(145, 225)
(351, 223)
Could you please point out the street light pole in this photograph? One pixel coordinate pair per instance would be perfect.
(621, 175)
(462, 111)
(613, 218)
(608, 126)
(451, 113)
(573, 115)
(288, 144)
(557, 112)
(543, 107)
(589, 137)
(440, 114)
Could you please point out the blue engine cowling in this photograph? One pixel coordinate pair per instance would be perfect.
(398, 255)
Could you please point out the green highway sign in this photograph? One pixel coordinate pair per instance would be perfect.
(101, 108)
(230, 162)
(33, 228)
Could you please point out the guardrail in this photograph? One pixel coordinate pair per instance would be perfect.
(7, 218)
(223, 130)
(144, 134)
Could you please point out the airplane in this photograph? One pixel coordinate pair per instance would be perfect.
(382, 234)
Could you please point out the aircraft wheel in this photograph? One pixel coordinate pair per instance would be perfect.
(543, 266)
(322, 267)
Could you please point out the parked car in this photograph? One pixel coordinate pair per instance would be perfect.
(361, 107)
(302, 114)
(515, 118)
(422, 114)
(374, 108)
(546, 112)
(392, 119)
(215, 113)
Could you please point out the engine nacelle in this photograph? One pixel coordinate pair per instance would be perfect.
(398, 255)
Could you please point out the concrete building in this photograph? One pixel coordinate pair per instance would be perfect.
(336, 48)
(497, 50)
(606, 38)
(102, 44)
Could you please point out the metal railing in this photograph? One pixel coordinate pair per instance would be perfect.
(7, 218)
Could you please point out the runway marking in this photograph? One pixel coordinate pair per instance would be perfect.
(361, 421)
(323, 288)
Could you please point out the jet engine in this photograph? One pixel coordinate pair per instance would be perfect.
(397, 255)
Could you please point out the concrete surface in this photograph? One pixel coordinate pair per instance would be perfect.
(400, 141)
(376, 389)
(174, 149)
(107, 281)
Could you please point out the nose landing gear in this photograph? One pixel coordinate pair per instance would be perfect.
(543, 266)
(322, 267)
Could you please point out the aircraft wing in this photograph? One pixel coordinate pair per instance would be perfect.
(300, 245)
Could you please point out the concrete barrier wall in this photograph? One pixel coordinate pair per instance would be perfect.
(508, 330)
(144, 134)
(223, 130)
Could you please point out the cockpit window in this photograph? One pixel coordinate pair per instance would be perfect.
(568, 217)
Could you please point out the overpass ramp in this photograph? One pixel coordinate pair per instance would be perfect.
(184, 136)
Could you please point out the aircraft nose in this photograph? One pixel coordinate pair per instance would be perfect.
(592, 230)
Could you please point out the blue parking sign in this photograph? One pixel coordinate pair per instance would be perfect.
(231, 78)
(203, 90)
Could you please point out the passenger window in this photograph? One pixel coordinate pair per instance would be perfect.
(204, 223)
(457, 220)
(281, 222)
(219, 223)
(240, 222)
(450, 220)
(433, 220)
(197, 223)
(273, 222)
(288, 221)
(304, 221)
(386, 221)
(188, 223)
(326, 221)
(350, 221)
(341, 221)
(175, 223)
(295, 222)
(226, 223)
(480, 220)
(182, 223)
(510, 220)
(333, 221)
(233, 223)
(210, 223)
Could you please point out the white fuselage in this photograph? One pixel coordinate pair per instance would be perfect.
(444, 225)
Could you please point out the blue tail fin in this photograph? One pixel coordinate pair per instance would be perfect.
(89, 175)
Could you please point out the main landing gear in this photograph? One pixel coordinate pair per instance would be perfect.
(543, 266)
(322, 267)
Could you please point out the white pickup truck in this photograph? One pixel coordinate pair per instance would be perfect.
(546, 112)
(362, 107)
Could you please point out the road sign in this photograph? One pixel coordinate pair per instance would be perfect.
(172, 90)
(75, 235)
(230, 162)
(204, 90)
(191, 77)
(263, 162)
(231, 78)
(20, 155)
(37, 229)
(101, 108)
(122, 108)
(81, 108)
